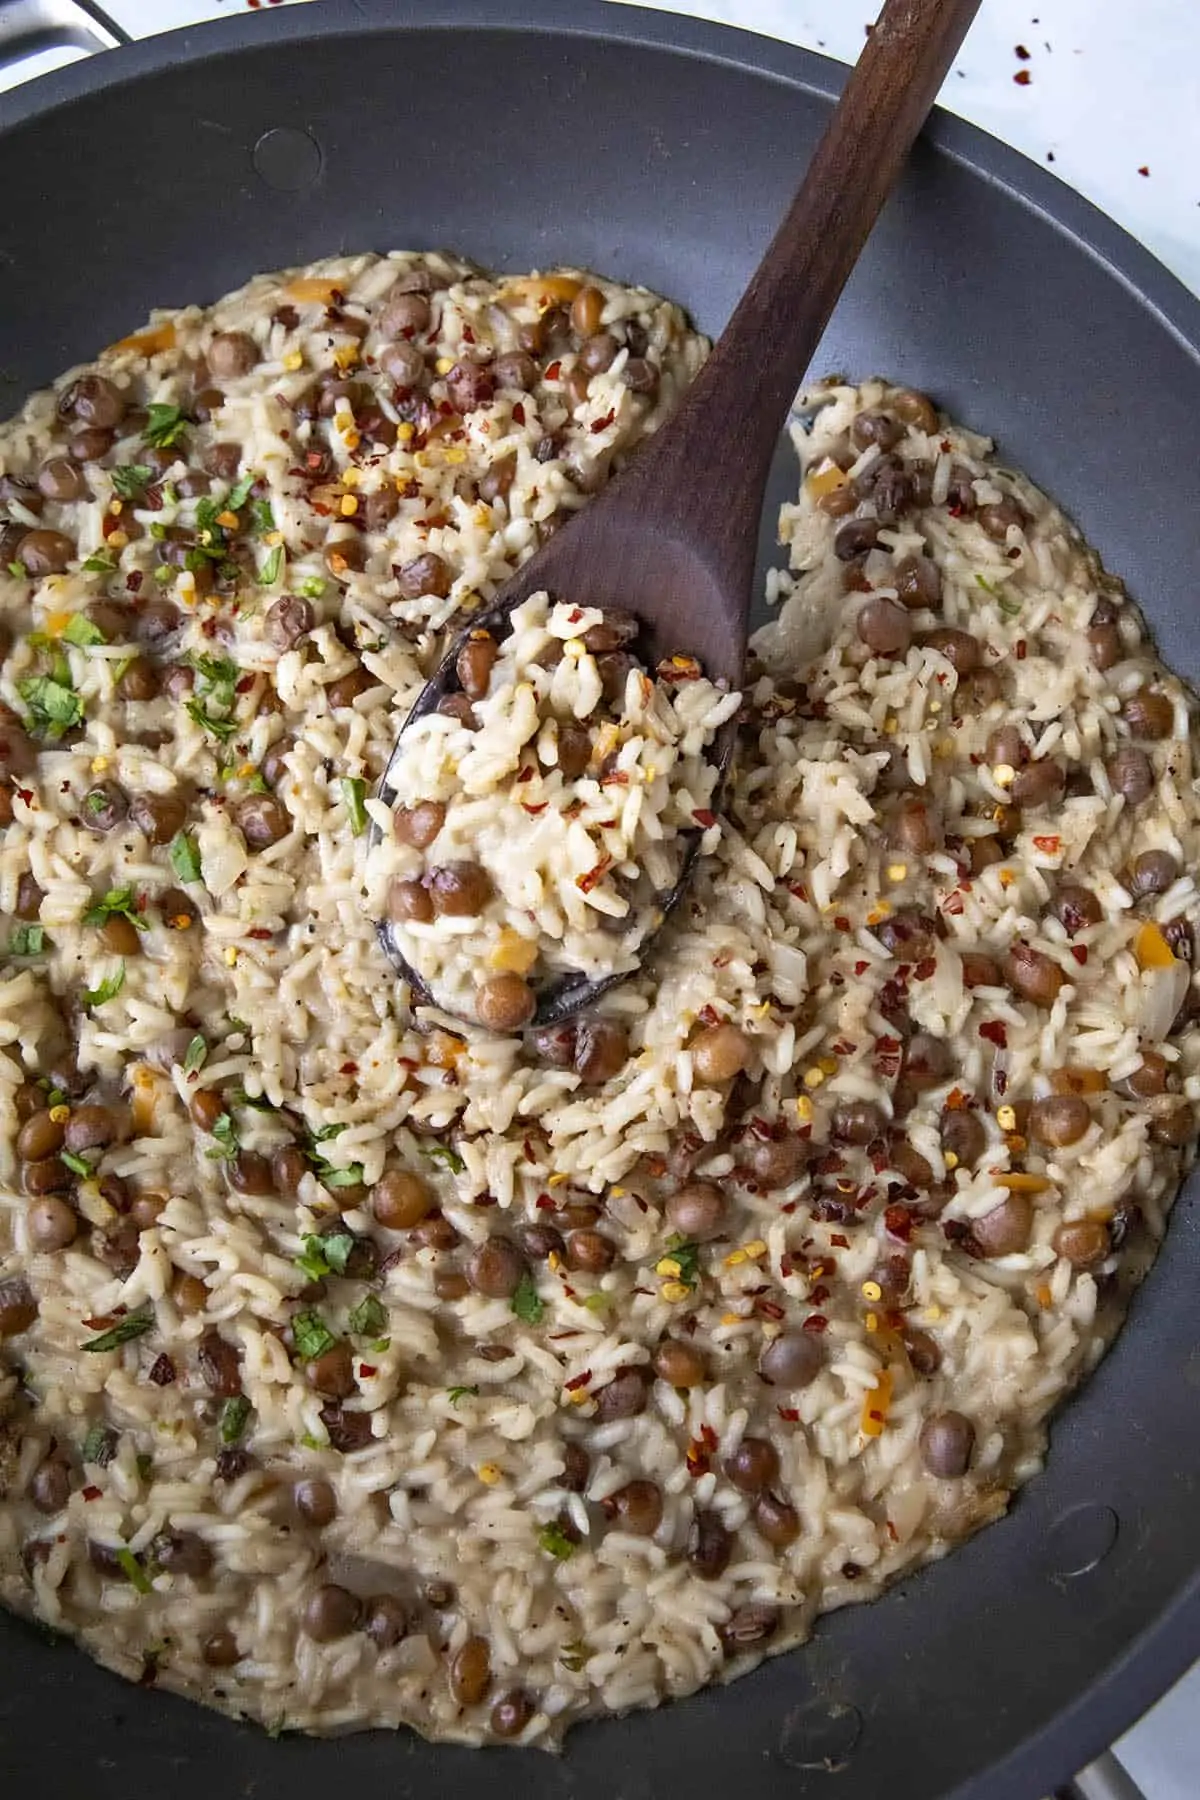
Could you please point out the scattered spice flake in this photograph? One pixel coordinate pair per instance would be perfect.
(578, 1381)
(789, 1414)
(1143, 170)
(594, 876)
(925, 968)
(1022, 78)
(843, 1243)
(1021, 51)
(1079, 952)
(1047, 845)
(898, 1221)
(815, 1322)
(995, 1032)
(704, 818)
(841, 922)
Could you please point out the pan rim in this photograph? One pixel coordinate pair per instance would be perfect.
(1169, 1643)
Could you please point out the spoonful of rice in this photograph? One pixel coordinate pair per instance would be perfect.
(557, 777)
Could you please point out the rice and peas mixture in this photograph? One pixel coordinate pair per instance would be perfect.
(362, 1367)
(535, 825)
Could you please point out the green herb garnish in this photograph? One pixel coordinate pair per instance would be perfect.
(238, 495)
(231, 1421)
(354, 791)
(224, 1131)
(27, 940)
(368, 1320)
(134, 1325)
(212, 708)
(54, 705)
(78, 1165)
(313, 588)
(133, 1568)
(99, 1446)
(185, 857)
(527, 1302)
(165, 425)
(598, 1302)
(311, 1336)
(118, 902)
(102, 563)
(109, 988)
(263, 516)
(443, 1154)
(197, 1056)
(325, 1255)
(131, 479)
(460, 1393)
(268, 573)
(687, 1256)
(18, 570)
(555, 1542)
(81, 632)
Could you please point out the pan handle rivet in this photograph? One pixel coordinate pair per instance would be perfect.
(287, 159)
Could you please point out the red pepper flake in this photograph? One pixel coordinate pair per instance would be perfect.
(815, 1322)
(1143, 170)
(260, 932)
(819, 1295)
(1000, 1082)
(603, 424)
(134, 580)
(768, 1309)
(518, 413)
(925, 968)
(700, 1451)
(844, 1047)
(1079, 952)
(798, 891)
(578, 1381)
(553, 372)
(892, 1532)
(162, 1372)
(843, 1243)
(953, 903)
(841, 922)
(92, 1493)
(593, 877)
(860, 968)
(533, 810)
(705, 818)
(348, 1068)
(1020, 648)
(898, 1220)
(1021, 51)
(1047, 845)
(26, 794)
(956, 1101)
(244, 684)
(995, 1032)
(1022, 78)
(789, 1414)
(367, 1369)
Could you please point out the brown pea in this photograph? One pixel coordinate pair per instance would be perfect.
(182, 1553)
(139, 681)
(262, 820)
(457, 706)
(385, 1621)
(347, 688)
(638, 1508)
(425, 574)
(1076, 907)
(344, 555)
(220, 1650)
(962, 651)
(923, 1352)
(475, 662)
(697, 1210)
(625, 1396)
(104, 807)
(402, 363)
(590, 1251)
(875, 428)
(206, 1107)
(910, 1165)
(18, 1308)
(191, 1295)
(1149, 1079)
(541, 1241)
(471, 1672)
(155, 622)
(916, 409)
(403, 313)
(1059, 1119)
(598, 353)
(408, 902)
(997, 517)
(1104, 642)
(1149, 714)
(60, 479)
(979, 969)
(331, 1612)
(332, 1373)
(401, 1198)
(907, 934)
(40, 1136)
(587, 309)
(753, 1466)
(1173, 1123)
(792, 1360)
(496, 1269)
(231, 353)
(884, 628)
(926, 1061)
(94, 1128)
(220, 1365)
(460, 889)
(250, 1173)
(418, 825)
(776, 1520)
(709, 1546)
(1131, 773)
(680, 1365)
(49, 1176)
(946, 1442)
(1033, 975)
(720, 1052)
(51, 1224)
(914, 828)
(1084, 1243)
(918, 582)
(497, 479)
(963, 1137)
(505, 1003)
(315, 1501)
(858, 1122)
(159, 816)
(1006, 1229)
(850, 541)
(1153, 872)
(515, 369)
(50, 1488)
(379, 507)
(89, 445)
(601, 1047)
(469, 386)
(94, 401)
(288, 620)
(511, 1713)
(777, 1162)
(1038, 784)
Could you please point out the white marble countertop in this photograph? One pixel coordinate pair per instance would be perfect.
(1109, 98)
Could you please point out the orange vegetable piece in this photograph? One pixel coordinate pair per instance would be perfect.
(150, 342)
(875, 1406)
(317, 288)
(1152, 949)
(1020, 1183)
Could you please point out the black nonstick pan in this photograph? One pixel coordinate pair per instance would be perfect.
(524, 132)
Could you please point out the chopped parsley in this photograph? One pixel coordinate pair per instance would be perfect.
(354, 790)
(313, 588)
(598, 1302)
(231, 1422)
(225, 1132)
(527, 1303)
(165, 426)
(109, 988)
(237, 496)
(78, 1165)
(325, 1255)
(80, 631)
(133, 1569)
(131, 479)
(185, 857)
(368, 1320)
(460, 1393)
(555, 1542)
(197, 1056)
(118, 902)
(443, 1154)
(134, 1325)
(54, 705)
(263, 516)
(18, 570)
(268, 573)
(99, 1446)
(27, 940)
(329, 1174)
(103, 562)
(311, 1336)
(213, 706)
(687, 1256)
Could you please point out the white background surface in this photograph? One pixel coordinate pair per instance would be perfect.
(1114, 89)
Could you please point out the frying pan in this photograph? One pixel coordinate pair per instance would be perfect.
(660, 150)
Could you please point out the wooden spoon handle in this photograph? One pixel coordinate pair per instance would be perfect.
(742, 394)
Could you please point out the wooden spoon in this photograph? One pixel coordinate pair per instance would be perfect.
(673, 537)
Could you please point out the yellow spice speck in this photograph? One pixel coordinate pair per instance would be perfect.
(405, 431)
(117, 540)
(348, 506)
(351, 477)
(891, 726)
(827, 1065)
(579, 1396)
(735, 1258)
(555, 1261)
(932, 1314)
(813, 1077)
(897, 871)
(490, 1473)
(444, 364)
(231, 955)
(871, 1290)
(293, 360)
(1006, 1118)
(879, 913)
(618, 1193)
(732, 1318)
(99, 764)
(228, 519)
(60, 1114)
(668, 1265)
(872, 1321)
(1003, 774)
(804, 1109)
(674, 1291)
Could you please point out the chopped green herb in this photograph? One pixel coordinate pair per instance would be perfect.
(255, 784)
(133, 1569)
(164, 574)
(687, 1256)
(313, 588)
(231, 1422)
(261, 513)
(165, 425)
(102, 563)
(217, 697)
(456, 1394)
(368, 1320)
(81, 632)
(197, 1056)
(574, 1656)
(185, 857)
(78, 1165)
(27, 940)
(598, 1302)
(207, 514)
(240, 1097)
(311, 1336)
(54, 705)
(323, 1133)
(134, 1325)
(158, 532)
(109, 988)
(1011, 609)
(225, 1132)
(18, 569)
(131, 479)
(118, 902)
(99, 1446)
(527, 1302)
(238, 496)
(380, 1344)
(555, 1542)
(223, 729)
(354, 790)
(325, 1255)
(329, 1177)
(239, 1025)
(443, 1154)
(170, 493)
(268, 573)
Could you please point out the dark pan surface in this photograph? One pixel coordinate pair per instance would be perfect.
(664, 151)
